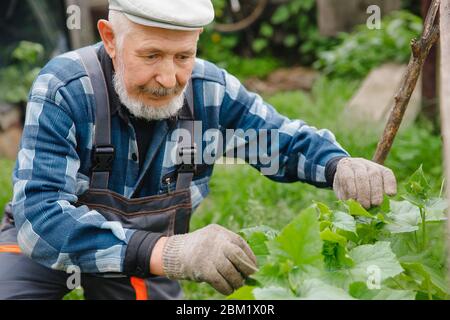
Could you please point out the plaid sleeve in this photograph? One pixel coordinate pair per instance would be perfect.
(51, 230)
(284, 150)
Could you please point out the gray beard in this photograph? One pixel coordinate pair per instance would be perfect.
(141, 110)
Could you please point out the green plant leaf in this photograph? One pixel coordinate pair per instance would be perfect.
(404, 217)
(324, 225)
(273, 293)
(343, 221)
(360, 291)
(438, 279)
(28, 52)
(324, 211)
(260, 44)
(417, 186)
(299, 241)
(368, 233)
(315, 289)
(356, 209)
(266, 30)
(272, 274)
(328, 235)
(435, 209)
(336, 256)
(243, 293)
(281, 15)
(257, 243)
(430, 278)
(298, 276)
(269, 232)
(290, 41)
(378, 258)
(257, 238)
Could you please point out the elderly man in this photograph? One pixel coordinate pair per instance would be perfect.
(98, 192)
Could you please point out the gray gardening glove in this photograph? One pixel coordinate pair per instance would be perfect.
(364, 181)
(213, 254)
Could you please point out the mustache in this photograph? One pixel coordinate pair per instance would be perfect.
(162, 92)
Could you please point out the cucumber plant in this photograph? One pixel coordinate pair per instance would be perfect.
(395, 251)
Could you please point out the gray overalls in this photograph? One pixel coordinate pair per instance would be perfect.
(23, 278)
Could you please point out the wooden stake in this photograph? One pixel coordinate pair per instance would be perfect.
(420, 51)
(445, 101)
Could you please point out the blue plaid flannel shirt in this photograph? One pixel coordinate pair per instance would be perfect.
(54, 159)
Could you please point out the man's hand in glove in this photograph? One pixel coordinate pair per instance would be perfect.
(213, 254)
(364, 181)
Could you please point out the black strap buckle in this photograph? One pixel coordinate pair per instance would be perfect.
(103, 158)
(187, 153)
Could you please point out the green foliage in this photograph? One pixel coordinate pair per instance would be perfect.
(292, 28)
(17, 78)
(304, 252)
(316, 256)
(414, 146)
(219, 49)
(365, 49)
(287, 31)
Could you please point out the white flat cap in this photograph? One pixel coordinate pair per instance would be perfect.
(167, 14)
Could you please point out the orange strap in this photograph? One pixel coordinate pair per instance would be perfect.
(140, 287)
(10, 248)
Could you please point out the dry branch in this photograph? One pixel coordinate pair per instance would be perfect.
(420, 50)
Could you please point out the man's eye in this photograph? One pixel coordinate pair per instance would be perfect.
(152, 56)
(183, 57)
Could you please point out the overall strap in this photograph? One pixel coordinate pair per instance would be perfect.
(102, 149)
(187, 149)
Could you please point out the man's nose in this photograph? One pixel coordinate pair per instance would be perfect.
(167, 75)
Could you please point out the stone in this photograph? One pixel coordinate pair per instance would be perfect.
(372, 103)
(335, 17)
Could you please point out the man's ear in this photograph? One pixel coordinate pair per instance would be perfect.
(108, 37)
